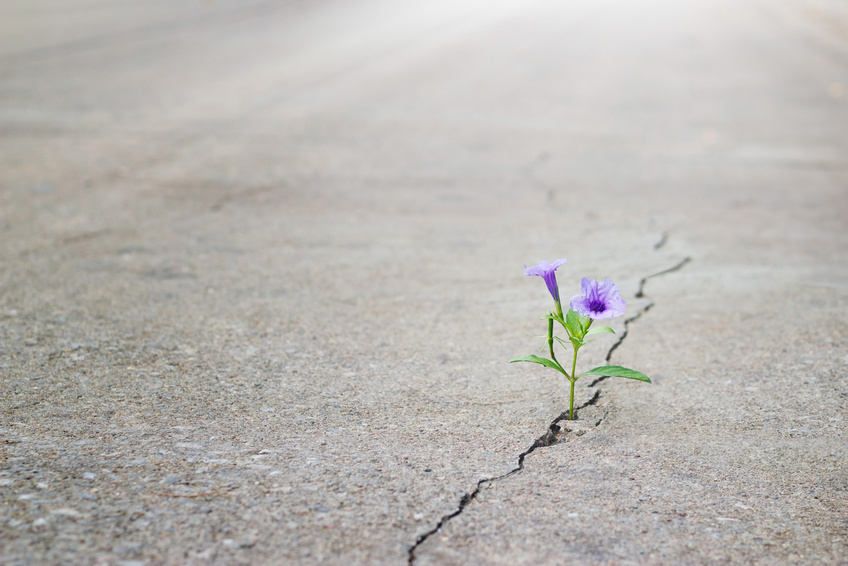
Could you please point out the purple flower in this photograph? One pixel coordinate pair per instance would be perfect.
(598, 300)
(547, 271)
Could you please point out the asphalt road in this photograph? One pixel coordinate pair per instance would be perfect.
(261, 270)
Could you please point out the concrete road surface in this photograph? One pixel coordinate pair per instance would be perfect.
(261, 271)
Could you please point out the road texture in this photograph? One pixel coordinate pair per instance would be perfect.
(261, 270)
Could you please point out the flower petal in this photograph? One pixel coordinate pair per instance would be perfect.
(543, 268)
(586, 286)
(598, 301)
(547, 271)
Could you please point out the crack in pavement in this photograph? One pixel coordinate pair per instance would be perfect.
(553, 435)
(555, 432)
(640, 294)
(662, 241)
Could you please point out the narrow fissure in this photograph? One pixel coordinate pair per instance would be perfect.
(640, 294)
(555, 432)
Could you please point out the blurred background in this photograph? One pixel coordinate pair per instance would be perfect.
(254, 237)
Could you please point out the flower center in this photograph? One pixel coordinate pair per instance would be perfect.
(597, 305)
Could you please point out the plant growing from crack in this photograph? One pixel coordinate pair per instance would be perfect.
(596, 301)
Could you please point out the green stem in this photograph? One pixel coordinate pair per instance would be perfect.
(571, 404)
(572, 379)
(551, 339)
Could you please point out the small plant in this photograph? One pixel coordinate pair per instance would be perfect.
(596, 301)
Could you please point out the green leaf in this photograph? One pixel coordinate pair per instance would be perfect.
(572, 321)
(618, 371)
(537, 360)
(599, 329)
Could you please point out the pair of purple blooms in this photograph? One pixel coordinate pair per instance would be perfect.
(596, 300)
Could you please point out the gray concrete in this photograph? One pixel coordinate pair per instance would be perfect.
(261, 271)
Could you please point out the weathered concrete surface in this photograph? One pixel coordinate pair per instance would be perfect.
(261, 270)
